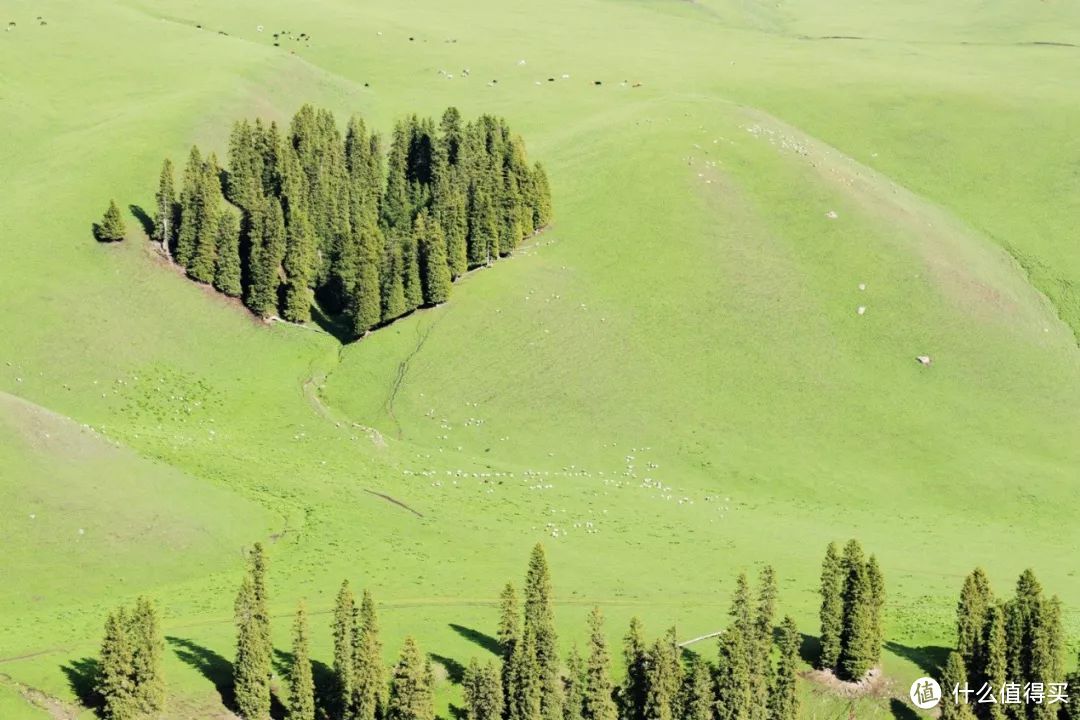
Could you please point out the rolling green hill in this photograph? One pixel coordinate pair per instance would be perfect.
(670, 384)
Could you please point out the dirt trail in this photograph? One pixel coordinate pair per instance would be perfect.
(57, 708)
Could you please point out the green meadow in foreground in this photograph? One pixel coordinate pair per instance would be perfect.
(763, 215)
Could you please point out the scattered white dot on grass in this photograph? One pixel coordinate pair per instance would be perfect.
(862, 310)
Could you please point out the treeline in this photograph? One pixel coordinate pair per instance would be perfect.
(531, 681)
(1006, 647)
(852, 606)
(310, 213)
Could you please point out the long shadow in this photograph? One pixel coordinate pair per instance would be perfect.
(213, 667)
(901, 710)
(810, 649)
(475, 636)
(82, 675)
(321, 674)
(930, 658)
(331, 325)
(689, 654)
(457, 713)
(145, 220)
(325, 683)
(454, 670)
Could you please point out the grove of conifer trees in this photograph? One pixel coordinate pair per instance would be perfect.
(999, 641)
(308, 213)
(743, 684)
(852, 604)
(129, 680)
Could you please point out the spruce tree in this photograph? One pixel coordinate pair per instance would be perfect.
(434, 270)
(540, 619)
(995, 667)
(148, 645)
(267, 253)
(301, 684)
(857, 637)
(393, 286)
(832, 608)
(761, 675)
(299, 265)
(227, 274)
(953, 677)
(448, 192)
(1046, 650)
(364, 301)
(368, 699)
(482, 692)
(976, 599)
(697, 699)
(191, 208)
(251, 668)
(574, 686)
(877, 608)
(165, 211)
(598, 704)
(204, 251)
(523, 680)
(664, 679)
(344, 661)
(636, 687)
(111, 228)
(396, 209)
(412, 285)
(411, 686)
(508, 635)
(115, 680)
(783, 699)
(542, 211)
(734, 691)
(245, 177)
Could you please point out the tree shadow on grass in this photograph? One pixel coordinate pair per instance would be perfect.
(901, 710)
(213, 667)
(457, 713)
(475, 636)
(82, 675)
(332, 325)
(930, 658)
(810, 649)
(689, 654)
(145, 220)
(454, 670)
(321, 674)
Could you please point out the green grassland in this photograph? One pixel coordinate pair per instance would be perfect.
(669, 385)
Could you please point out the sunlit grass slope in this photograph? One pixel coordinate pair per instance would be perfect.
(671, 384)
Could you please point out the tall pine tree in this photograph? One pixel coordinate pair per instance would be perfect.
(148, 645)
(482, 691)
(301, 684)
(598, 704)
(857, 637)
(636, 687)
(115, 680)
(832, 608)
(783, 700)
(344, 661)
(540, 619)
(411, 686)
(165, 208)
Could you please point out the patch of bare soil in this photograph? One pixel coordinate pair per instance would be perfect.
(873, 684)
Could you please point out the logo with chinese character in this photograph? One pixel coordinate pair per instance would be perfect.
(925, 693)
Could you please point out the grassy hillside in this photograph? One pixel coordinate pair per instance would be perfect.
(671, 384)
